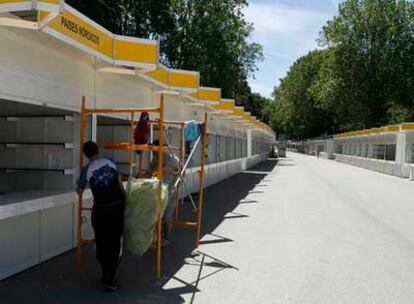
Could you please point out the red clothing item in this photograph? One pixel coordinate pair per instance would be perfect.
(142, 130)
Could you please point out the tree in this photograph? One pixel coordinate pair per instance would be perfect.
(211, 37)
(206, 36)
(256, 105)
(368, 76)
(108, 13)
(295, 112)
(363, 77)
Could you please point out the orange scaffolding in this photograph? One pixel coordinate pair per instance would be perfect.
(196, 224)
(131, 147)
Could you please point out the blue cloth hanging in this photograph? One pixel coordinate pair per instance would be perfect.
(191, 131)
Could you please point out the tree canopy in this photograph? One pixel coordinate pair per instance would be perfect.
(296, 112)
(362, 77)
(206, 36)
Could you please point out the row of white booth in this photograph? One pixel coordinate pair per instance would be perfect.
(388, 150)
(50, 56)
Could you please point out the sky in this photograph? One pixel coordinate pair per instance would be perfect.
(287, 29)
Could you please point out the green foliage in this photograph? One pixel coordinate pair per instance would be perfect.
(108, 13)
(371, 66)
(296, 112)
(206, 36)
(256, 104)
(211, 37)
(363, 77)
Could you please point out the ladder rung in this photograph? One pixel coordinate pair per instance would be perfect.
(185, 224)
(87, 241)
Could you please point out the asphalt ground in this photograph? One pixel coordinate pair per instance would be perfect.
(298, 231)
(59, 281)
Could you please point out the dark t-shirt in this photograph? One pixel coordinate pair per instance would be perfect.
(103, 178)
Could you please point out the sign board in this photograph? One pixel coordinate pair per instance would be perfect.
(67, 24)
(78, 30)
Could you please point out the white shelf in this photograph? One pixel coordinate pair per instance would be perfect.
(15, 170)
(134, 164)
(20, 118)
(18, 145)
(19, 203)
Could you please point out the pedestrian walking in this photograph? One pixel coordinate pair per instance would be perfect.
(103, 178)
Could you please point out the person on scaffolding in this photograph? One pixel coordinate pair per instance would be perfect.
(170, 175)
(107, 212)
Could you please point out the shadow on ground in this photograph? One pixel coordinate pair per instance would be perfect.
(58, 281)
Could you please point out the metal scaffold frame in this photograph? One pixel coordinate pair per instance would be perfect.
(183, 164)
(131, 147)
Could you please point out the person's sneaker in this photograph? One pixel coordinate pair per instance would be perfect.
(110, 287)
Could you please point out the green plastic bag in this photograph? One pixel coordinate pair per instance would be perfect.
(141, 213)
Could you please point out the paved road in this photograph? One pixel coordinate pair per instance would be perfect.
(305, 231)
(314, 232)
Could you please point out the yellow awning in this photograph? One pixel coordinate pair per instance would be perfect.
(393, 128)
(160, 76)
(135, 52)
(209, 96)
(238, 111)
(407, 126)
(15, 5)
(27, 5)
(184, 80)
(226, 105)
(65, 23)
(178, 80)
(246, 117)
(373, 131)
